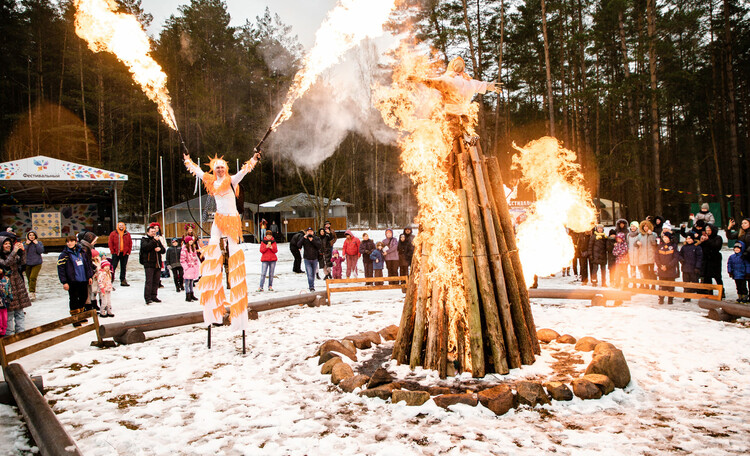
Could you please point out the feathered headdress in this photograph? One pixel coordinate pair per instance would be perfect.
(217, 161)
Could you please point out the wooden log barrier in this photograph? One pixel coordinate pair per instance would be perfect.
(579, 293)
(190, 318)
(7, 398)
(731, 308)
(48, 434)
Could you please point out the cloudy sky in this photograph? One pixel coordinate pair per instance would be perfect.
(303, 15)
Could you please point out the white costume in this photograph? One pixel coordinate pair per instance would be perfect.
(227, 222)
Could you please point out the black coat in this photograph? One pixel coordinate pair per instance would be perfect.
(295, 240)
(611, 258)
(150, 258)
(405, 252)
(583, 243)
(597, 250)
(712, 256)
(66, 269)
(669, 257)
(691, 257)
(366, 248)
(310, 247)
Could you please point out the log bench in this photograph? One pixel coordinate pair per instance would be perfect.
(724, 310)
(365, 280)
(674, 294)
(598, 297)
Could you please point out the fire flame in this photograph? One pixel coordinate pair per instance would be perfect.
(105, 29)
(425, 141)
(562, 201)
(346, 25)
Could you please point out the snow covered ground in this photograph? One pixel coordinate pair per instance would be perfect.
(171, 395)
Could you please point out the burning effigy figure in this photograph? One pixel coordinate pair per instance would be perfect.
(227, 224)
(458, 89)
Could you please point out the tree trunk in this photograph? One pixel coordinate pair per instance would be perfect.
(550, 104)
(83, 104)
(651, 18)
(734, 155)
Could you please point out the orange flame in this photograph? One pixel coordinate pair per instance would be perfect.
(425, 141)
(104, 29)
(562, 201)
(346, 25)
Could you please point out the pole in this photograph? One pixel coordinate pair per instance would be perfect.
(163, 213)
(243, 342)
(209, 337)
(116, 214)
(238, 164)
(200, 207)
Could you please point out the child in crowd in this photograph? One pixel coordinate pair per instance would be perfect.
(378, 263)
(667, 262)
(336, 260)
(5, 298)
(738, 269)
(94, 301)
(173, 261)
(104, 280)
(191, 266)
(74, 272)
(620, 253)
(691, 259)
(268, 259)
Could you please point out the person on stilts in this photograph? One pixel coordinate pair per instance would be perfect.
(227, 223)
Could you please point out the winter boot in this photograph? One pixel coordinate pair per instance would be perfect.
(670, 300)
(124, 283)
(187, 297)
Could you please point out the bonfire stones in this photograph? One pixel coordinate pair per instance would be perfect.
(341, 371)
(499, 399)
(336, 346)
(586, 344)
(602, 381)
(328, 365)
(611, 362)
(360, 341)
(350, 345)
(412, 398)
(531, 393)
(352, 383)
(372, 336)
(566, 339)
(381, 392)
(389, 332)
(559, 391)
(380, 377)
(327, 356)
(547, 335)
(585, 389)
(446, 400)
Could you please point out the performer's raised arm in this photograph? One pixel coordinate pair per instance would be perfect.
(246, 168)
(192, 167)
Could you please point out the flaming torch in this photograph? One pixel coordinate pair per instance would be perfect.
(105, 29)
(346, 25)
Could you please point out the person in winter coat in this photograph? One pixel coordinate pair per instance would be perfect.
(405, 254)
(738, 270)
(150, 256)
(34, 250)
(711, 244)
(378, 260)
(263, 227)
(621, 227)
(12, 259)
(667, 262)
(598, 255)
(191, 267)
(120, 246)
(658, 225)
(311, 247)
(574, 239)
(390, 253)
(268, 250)
(351, 253)
(297, 266)
(75, 274)
(6, 296)
(337, 260)
(743, 235)
(631, 239)
(104, 280)
(705, 215)
(691, 259)
(645, 246)
(366, 247)
(582, 251)
(87, 241)
(620, 253)
(173, 261)
(611, 259)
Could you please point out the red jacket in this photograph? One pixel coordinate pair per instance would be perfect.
(268, 253)
(351, 246)
(114, 243)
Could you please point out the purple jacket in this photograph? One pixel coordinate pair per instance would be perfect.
(392, 244)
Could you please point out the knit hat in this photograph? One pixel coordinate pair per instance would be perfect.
(635, 224)
(335, 252)
(667, 226)
(105, 264)
(89, 236)
(704, 206)
(737, 245)
(188, 239)
(700, 223)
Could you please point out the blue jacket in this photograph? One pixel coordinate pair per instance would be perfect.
(667, 257)
(691, 257)
(736, 266)
(67, 266)
(377, 259)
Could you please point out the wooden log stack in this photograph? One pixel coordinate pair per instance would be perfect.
(498, 332)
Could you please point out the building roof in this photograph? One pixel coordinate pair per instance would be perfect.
(204, 199)
(292, 202)
(46, 180)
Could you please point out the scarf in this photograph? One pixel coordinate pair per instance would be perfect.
(121, 234)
